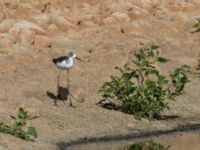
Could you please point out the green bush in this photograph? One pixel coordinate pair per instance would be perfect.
(146, 145)
(143, 91)
(18, 128)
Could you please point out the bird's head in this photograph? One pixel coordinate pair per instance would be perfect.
(72, 55)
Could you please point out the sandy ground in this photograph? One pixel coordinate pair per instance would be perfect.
(104, 33)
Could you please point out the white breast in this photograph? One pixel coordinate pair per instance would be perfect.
(65, 64)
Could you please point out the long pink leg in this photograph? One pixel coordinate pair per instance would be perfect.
(70, 104)
(58, 85)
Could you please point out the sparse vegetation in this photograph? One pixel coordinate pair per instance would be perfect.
(144, 91)
(146, 145)
(19, 128)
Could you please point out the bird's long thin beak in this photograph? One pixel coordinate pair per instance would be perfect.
(79, 59)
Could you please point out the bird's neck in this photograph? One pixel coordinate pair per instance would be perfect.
(71, 59)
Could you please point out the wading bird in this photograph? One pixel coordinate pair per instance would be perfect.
(65, 63)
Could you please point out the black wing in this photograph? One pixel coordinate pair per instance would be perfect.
(59, 59)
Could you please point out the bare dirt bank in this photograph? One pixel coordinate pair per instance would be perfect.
(103, 32)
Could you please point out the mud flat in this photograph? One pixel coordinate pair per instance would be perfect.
(177, 139)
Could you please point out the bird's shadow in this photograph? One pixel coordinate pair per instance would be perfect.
(62, 94)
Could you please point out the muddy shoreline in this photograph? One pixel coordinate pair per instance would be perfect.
(132, 136)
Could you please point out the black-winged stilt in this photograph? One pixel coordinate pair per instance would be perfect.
(65, 63)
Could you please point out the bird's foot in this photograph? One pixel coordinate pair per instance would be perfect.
(72, 105)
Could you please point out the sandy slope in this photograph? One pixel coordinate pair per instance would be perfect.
(104, 32)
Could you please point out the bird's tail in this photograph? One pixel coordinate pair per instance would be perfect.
(54, 60)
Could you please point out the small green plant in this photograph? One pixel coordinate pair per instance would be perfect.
(146, 145)
(144, 91)
(18, 128)
(197, 26)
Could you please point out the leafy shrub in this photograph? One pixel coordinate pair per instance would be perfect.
(143, 91)
(18, 128)
(146, 145)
